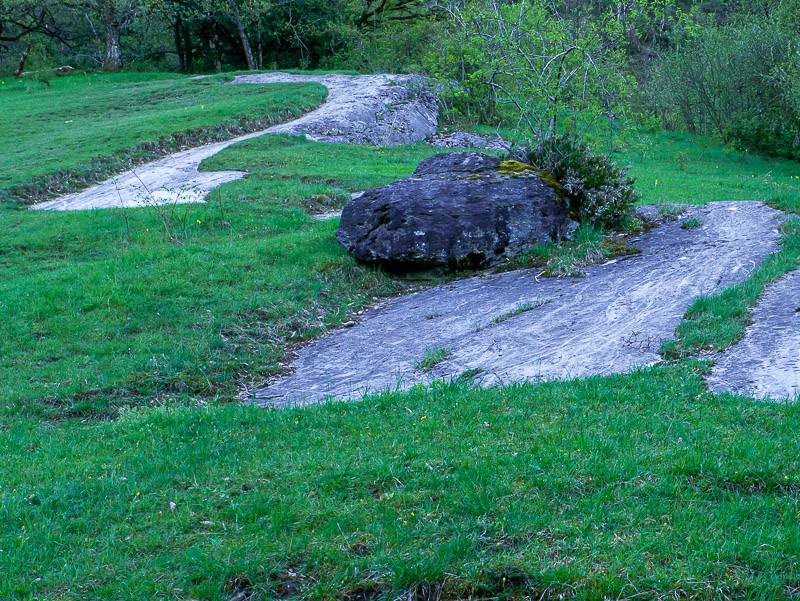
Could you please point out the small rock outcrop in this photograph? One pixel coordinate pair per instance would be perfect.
(465, 139)
(380, 110)
(458, 211)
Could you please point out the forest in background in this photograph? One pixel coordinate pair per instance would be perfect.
(725, 68)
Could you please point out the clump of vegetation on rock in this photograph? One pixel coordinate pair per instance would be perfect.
(598, 191)
(432, 358)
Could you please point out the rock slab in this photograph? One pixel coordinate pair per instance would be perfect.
(464, 139)
(458, 210)
(766, 362)
(379, 110)
(518, 326)
(382, 110)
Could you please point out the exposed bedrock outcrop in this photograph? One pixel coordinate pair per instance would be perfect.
(517, 326)
(464, 139)
(458, 210)
(766, 362)
(382, 110)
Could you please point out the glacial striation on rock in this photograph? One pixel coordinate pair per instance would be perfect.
(519, 327)
(459, 211)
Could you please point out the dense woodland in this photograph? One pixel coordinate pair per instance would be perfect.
(726, 68)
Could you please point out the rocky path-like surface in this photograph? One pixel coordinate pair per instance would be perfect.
(766, 362)
(517, 326)
(382, 110)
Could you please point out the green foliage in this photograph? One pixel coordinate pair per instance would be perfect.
(598, 192)
(392, 47)
(737, 82)
(432, 358)
(691, 224)
(519, 310)
(588, 246)
(394, 35)
(568, 259)
(213, 35)
(523, 62)
(652, 25)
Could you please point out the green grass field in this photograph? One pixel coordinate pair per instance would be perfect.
(673, 167)
(249, 272)
(71, 130)
(131, 471)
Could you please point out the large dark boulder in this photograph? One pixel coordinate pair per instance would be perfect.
(458, 210)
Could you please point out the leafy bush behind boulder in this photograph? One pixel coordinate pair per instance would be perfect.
(597, 190)
(737, 82)
(526, 62)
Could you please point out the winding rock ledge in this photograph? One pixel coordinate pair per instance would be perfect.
(518, 327)
(458, 211)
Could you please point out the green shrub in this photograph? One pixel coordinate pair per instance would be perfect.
(598, 191)
(737, 82)
(525, 62)
(392, 47)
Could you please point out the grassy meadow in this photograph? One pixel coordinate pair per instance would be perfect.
(131, 470)
(60, 134)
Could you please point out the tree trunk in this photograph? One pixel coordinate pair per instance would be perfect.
(22, 60)
(188, 58)
(248, 50)
(113, 59)
(260, 44)
(178, 33)
(216, 50)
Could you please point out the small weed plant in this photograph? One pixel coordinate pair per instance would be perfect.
(432, 358)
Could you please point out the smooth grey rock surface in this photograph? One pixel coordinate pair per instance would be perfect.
(766, 362)
(383, 110)
(464, 139)
(380, 110)
(457, 210)
(612, 320)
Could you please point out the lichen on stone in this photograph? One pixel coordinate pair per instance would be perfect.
(513, 167)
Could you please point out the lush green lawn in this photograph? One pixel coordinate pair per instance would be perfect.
(126, 475)
(100, 308)
(674, 167)
(85, 126)
(638, 486)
